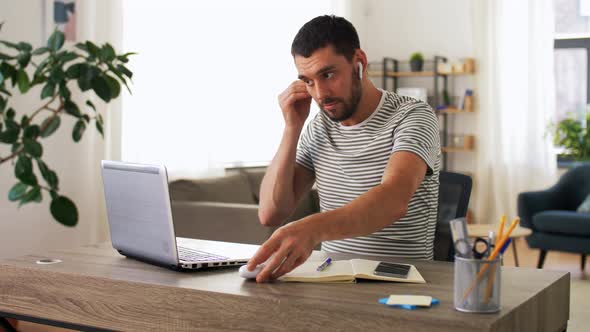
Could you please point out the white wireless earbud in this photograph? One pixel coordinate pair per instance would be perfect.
(360, 70)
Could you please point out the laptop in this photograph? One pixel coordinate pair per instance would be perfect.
(140, 221)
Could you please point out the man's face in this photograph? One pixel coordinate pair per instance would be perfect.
(331, 81)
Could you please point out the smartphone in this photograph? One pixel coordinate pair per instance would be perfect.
(392, 270)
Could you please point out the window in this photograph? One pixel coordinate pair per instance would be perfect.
(572, 61)
(207, 78)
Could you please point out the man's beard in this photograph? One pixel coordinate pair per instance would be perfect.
(350, 106)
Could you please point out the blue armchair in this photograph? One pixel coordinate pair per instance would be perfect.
(551, 215)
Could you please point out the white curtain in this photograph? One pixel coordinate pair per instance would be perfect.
(206, 80)
(514, 46)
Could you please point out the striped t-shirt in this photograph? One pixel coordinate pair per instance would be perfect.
(350, 160)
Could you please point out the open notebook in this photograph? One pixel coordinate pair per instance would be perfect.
(345, 271)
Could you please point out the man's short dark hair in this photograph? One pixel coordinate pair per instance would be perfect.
(323, 31)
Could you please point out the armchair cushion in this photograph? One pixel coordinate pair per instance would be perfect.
(232, 188)
(563, 222)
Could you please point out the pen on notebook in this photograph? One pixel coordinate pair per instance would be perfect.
(324, 264)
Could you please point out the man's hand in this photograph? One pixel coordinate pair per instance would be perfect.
(295, 102)
(289, 247)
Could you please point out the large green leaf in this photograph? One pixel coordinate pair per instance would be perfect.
(3, 104)
(107, 52)
(67, 56)
(32, 131)
(17, 191)
(57, 75)
(33, 195)
(42, 66)
(114, 86)
(87, 74)
(124, 57)
(11, 132)
(1, 78)
(89, 103)
(23, 59)
(48, 90)
(82, 46)
(64, 211)
(78, 131)
(8, 70)
(49, 175)
(64, 92)
(99, 127)
(9, 44)
(50, 125)
(93, 49)
(75, 70)
(4, 56)
(125, 71)
(23, 170)
(23, 81)
(10, 113)
(72, 108)
(15, 147)
(56, 40)
(40, 51)
(33, 147)
(101, 88)
(24, 46)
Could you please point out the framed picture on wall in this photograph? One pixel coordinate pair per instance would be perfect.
(60, 14)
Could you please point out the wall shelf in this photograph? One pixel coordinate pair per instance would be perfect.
(438, 69)
(377, 73)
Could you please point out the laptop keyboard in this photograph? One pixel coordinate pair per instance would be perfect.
(192, 255)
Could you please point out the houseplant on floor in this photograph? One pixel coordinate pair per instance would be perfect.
(93, 68)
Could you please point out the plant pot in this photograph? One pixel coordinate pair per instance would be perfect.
(416, 65)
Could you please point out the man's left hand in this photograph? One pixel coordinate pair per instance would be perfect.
(287, 248)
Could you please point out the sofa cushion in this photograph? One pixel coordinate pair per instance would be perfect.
(232, 188)
(255, 176)
(563, 222)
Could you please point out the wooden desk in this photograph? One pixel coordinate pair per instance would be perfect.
(482, 230)
(95, 287)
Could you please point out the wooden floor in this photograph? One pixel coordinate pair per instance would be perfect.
(580, 290)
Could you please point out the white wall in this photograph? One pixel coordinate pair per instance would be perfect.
(32, 228)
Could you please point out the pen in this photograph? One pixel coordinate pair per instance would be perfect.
(324, 264)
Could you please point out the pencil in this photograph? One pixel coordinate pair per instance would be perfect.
(501, 228)
(493, 269)
(492, 257)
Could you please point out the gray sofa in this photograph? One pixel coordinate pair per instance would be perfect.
(226, 208)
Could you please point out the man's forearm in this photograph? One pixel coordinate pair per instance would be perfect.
(277, 196)
(367, 214)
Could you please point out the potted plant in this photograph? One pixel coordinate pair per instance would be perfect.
(416, 61)
(574, 136)
(92, 68)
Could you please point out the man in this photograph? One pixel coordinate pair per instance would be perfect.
(374, 155)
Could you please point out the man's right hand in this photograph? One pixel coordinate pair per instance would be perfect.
(295, 102)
